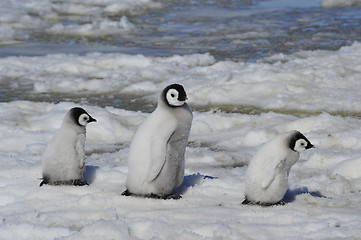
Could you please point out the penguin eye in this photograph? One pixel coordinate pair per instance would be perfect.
(172, 95)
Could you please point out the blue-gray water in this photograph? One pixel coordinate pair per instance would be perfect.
(236, 30)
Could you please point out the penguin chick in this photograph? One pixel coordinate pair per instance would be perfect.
(267, 173)
(63, 158)
(156, 158)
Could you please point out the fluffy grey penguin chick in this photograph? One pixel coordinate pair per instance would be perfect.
(156, 158)
(267, 173)
(63, 159)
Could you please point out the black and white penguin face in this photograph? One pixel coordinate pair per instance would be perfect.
(174, 95)
(81, 117)
(299, 143)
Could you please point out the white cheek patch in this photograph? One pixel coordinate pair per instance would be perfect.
(83, 119)
(172, 98)
(175, 102)
(300, 145)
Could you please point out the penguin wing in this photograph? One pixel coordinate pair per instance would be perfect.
(79, 148)
(159, 143)
(269, 172)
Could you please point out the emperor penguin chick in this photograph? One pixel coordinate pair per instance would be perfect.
(267, 173)
(64, 159)
(156, 158)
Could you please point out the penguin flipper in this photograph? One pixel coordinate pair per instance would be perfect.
(269, 173)
(79, 148)
(158, 151)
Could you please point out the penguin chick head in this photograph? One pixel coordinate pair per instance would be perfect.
(174, 95)
(80, 116)
(298, 142)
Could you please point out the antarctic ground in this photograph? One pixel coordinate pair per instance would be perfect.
(252, 70)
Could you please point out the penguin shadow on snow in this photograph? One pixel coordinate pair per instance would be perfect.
(291, 194)
(90, 173)
(191, 181)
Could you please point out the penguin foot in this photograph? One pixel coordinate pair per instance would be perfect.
(79, 182)
(172, 196)
(246, 202)
(45, 181)
(280, 203)
(56, 183)
(153, 195)
(76, 182)
(127, 193)
(263, 204)
(164, 197)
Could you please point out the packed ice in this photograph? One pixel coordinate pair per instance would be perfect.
(325, 184)
(306, 81)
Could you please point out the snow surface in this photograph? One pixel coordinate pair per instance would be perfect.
(306, 90)
(321, 203)
(340, 3)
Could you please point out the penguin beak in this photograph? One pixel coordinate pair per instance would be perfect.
(310, 146)
(183, 99)
(91, 119)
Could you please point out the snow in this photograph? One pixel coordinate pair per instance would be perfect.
(100, 28)
(315, 92)
(340, 3)
(321, 201)
(283, 82)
